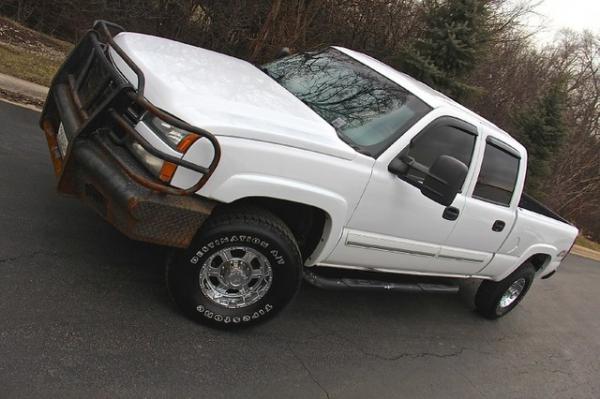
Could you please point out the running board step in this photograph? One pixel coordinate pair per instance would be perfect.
(344, 283)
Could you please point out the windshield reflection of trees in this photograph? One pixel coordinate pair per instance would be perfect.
(341, 90)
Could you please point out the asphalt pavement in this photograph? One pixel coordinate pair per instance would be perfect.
(84, 313)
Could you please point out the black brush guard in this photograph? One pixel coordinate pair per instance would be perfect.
(94, 103)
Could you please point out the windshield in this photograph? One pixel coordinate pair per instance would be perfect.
(368, 110)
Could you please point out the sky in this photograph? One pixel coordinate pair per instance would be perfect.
(573, 14)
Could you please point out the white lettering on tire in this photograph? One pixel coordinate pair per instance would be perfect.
(235, 238)
(235, 319)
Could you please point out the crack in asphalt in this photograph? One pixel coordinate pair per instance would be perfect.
(21, 256)
(288, 341)
(402, 355)
(413, 355)
(310, 374)
(4, 260)
(410, 355)
(36, 253)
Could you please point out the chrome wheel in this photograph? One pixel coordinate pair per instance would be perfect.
(511, 294)
(236, 277)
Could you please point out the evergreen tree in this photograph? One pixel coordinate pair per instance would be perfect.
(455, 32)
(541, 129)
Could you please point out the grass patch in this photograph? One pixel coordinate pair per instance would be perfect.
(27, 65)
(584, 242)
(29, 55)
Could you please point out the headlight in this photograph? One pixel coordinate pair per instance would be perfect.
(173, 135)
(181, 140)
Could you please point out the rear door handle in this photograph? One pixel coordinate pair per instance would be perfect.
(450, 213)
(498, 225)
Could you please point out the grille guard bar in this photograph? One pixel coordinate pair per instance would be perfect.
(121, 95)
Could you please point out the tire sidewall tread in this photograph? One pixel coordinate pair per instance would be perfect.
(489, 293)
(255, 228)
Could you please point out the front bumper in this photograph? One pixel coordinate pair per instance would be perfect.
(93, 102)
(137, 211)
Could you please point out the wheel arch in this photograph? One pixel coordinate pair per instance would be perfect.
(310, 225)
(539, 261)
(540, 256)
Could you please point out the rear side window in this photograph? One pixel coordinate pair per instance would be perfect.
(441, 139)
(498, 176)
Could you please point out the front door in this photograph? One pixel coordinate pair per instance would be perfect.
(395, 227)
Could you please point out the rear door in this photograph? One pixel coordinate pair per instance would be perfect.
(489, 212)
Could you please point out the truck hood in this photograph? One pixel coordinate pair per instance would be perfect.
(224, 95)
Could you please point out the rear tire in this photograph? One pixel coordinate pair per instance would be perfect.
(243, 267)
(495, 299)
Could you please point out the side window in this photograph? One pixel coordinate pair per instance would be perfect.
(441, 139)
(498, 176)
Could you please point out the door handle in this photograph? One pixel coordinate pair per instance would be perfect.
(498, 225)
(450, 213)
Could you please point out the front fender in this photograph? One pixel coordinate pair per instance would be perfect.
(245, 185)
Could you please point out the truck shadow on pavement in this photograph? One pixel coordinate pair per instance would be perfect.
(134, 272)
(91, 254)
(100, 263)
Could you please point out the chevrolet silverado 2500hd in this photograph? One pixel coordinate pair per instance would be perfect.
(319, 165)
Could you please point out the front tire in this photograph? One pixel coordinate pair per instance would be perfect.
(495, 299)
(242, 268)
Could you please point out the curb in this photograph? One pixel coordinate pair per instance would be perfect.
(586, 252)
(23, 87)
(18, 104)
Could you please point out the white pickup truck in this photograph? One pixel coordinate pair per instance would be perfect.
(328, 165)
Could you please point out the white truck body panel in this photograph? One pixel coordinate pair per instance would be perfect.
(273, 145)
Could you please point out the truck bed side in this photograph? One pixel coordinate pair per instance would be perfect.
(531, 204)
(532, 234)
